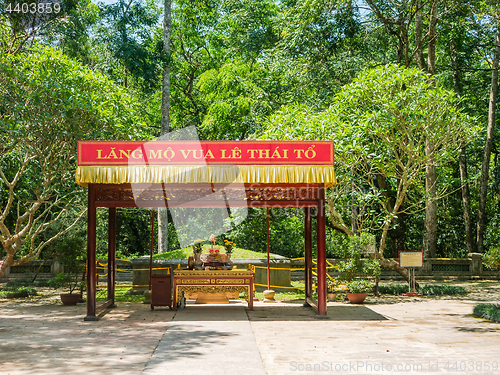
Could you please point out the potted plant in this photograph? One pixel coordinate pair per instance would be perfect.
(355, 268)
(228, 245)
(71, 282)
(357, 290)
(71, 255)
(331, 289)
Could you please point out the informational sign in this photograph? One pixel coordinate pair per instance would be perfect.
(370, 249)
(205, 152)
(411, 259)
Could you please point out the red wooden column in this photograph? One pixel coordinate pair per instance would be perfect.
(307, 254)
(111, 253)
(91, 255)
(321, 240)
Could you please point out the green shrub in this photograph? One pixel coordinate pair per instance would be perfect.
(488, 311)
(442, 290)
(17, 292)
(359, 286)
(394, 289)
(426, 290)
(492, 258)
(18, 283)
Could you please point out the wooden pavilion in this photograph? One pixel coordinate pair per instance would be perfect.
(169, 174)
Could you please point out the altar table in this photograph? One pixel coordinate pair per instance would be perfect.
(212, 282)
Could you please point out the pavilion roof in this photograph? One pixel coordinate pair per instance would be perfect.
(221, 162)
(226, 174)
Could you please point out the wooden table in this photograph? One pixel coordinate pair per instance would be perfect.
(213, 281)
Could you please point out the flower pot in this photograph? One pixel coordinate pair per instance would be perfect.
(70, 299)
(331, 297)
(356, 297)
(228, 259)
(197, 260)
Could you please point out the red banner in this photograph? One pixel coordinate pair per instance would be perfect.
(205, 152)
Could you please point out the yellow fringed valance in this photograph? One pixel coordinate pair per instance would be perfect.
(271, 174)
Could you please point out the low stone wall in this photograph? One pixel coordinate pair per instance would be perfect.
(434, 269)
(136, 271)
(27, 271)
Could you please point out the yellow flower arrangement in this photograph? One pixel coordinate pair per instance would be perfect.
(229, 246)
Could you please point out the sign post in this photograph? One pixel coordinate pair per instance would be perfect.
(411, 260)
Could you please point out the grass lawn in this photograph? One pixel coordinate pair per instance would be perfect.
(186, 252)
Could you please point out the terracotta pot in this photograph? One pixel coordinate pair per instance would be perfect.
(70, 299)
(356, 297)
(331, 297)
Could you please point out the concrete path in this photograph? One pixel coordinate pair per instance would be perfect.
(421, 337)
(208, 339)
(54, 339)
(426, 336)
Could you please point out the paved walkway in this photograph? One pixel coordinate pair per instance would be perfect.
(208, 339)
(424, 337)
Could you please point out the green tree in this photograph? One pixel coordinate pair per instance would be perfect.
(237, 101)
(127, 29)
(380, 124)
(47, 103)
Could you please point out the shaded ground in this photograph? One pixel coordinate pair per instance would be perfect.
(424, 335)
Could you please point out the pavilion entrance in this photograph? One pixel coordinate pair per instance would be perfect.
(112, 183)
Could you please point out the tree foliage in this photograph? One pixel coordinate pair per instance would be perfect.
(380, 124)
(48, 102)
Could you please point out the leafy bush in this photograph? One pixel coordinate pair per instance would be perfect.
(28, 283)
(488, 311)
(492, 258)
(70, 281)
(442, 290)
(394, 289)
(354, 265)
(17, 292)
(359, 286)
(426, 290)
(331, 285)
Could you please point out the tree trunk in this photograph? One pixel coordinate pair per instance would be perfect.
(162, 230)
(165, 100)
(431, 58)
(165, 120)
(354, 211)
(469, 228)
(430, 221)
(418, 38)
(398, 234)
(481, 212)
(464, 175)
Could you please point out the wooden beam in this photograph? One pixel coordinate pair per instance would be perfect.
(206, 186)
(111, 253)
(91, 255)
(312, 302)
(103, 305)
(307, 253)
(321, 248)
(208, 204)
